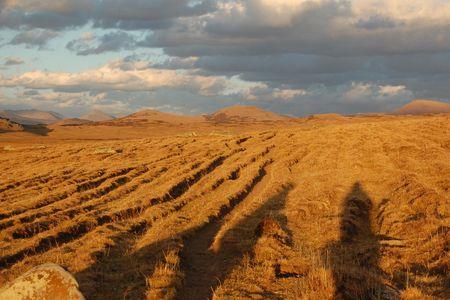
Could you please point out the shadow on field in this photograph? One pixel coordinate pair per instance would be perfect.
(206, 269)
(41, 130)
(354, 259)
(118, 274)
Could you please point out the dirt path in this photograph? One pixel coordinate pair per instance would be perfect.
(203, 267)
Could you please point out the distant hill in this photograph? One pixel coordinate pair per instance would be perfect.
(97, 116)
(423, 107)
(329, 116)
(237, 113)
(31, 116)
(242, 113)
(7, 125)
(72, 122)
(153, 116)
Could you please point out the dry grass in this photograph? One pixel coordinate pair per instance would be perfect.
(348, 208)
(107, 150)
(167, 277)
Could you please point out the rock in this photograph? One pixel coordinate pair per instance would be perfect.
(44, 282)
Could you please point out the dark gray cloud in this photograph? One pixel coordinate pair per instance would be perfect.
(377, 22)
(44, 14)
(30, 93)
(113, 41)
(34, 38)
(130, 14)
(13, 61)
(282, 68)
(138, 14)
(327, 43)
(325, 28)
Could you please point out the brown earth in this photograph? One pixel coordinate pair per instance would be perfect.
(356, 208)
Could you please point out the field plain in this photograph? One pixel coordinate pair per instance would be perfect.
(333, 208)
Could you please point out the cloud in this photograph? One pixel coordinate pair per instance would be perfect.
(324, 27)
(34, 38)
(317, 42)
(13, 61)
(114, 41)
(69, 104)
(117, 76)
(354, 97)
(47, 14)
(137, 14)
(374, 22)
(437, 11)
(288, 94)
(349, 98)
(388, 90)
(130, 14)
(288, 55)
(377, 97)
(175, 63)
(261, 93)
(235, 27)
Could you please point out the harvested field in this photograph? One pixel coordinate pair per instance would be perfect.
(315, 210)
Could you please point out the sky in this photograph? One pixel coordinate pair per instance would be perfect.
(294, 57)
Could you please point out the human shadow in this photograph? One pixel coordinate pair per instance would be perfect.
(354, 258)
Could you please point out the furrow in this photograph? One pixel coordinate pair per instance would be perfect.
(41, 226)
(64, 195)
(74, 232)
(89, 202)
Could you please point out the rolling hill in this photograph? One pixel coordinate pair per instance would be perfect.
(423, 107)
(31, 116)
(97, 116)
(232, 114)
(150, 116)
(243, 113)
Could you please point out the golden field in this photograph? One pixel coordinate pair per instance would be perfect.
(321, 208)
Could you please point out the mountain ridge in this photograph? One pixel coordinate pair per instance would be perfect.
(31, 116)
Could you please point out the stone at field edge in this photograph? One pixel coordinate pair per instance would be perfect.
(44, 282)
